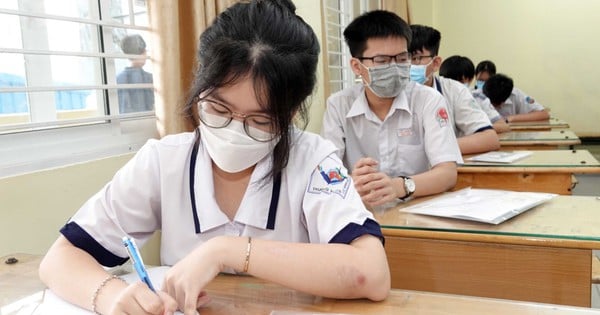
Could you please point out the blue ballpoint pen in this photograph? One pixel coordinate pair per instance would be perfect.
(136, 260)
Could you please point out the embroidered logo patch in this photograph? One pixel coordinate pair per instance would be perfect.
(442, 117)
(329, 178)
(529, 100)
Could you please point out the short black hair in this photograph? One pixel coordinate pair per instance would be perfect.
(486, 66)
(374, 24)
(266, 41)
(498, 88)
(425, 37)
(133, 44)
(457, 68)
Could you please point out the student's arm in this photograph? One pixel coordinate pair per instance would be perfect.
(500, 126)
(483, 141)
(531, 116)
(332, 127)
(74, 275)
(343, 271)
(376, 188)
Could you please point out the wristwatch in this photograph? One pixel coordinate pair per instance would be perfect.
(409, 187)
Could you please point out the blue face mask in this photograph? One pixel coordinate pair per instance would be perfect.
(418, 73)
(479, 84)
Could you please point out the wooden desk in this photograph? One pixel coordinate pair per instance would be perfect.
(248, 295)
(543, 171)
(552, 123)
(538, 140)
(542, 255)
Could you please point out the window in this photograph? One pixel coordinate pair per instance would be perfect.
(75, 81)
(338, 14)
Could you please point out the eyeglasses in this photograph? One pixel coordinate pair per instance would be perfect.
(216, 115)
(417, 59)
(401, 58)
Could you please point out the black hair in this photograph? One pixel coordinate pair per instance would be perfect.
(486, 66)
(425, 37)
(374, 24)
(266, 41)
(458, 68)
(498, 88)
(133, 44)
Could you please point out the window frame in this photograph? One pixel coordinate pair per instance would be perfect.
(30, 147)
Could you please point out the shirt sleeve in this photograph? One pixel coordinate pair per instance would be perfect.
(525, 103)
(129, 205)
(468, 115)
(333, 209)
(332, 128)
(440, 141)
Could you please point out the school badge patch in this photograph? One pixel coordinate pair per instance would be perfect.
(442, 117)
(529, 100)
(329, 178)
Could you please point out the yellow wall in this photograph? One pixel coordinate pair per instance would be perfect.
(33, 207)
(310, 11)
(548, 47)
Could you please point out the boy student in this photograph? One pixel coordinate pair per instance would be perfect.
(394, 135)
(510, 102)
(461, 69)
(471, 125)
(254, 194)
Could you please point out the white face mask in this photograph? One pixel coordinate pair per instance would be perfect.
(232, 149)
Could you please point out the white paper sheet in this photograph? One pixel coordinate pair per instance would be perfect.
(500, 156)
(484, 205)
(53, 304)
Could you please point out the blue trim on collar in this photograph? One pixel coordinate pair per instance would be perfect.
(274, 194)
(192, 181)
(438, 86)
(274, 202)
(81, 239)
(352, 231)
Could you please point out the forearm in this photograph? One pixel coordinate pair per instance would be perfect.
(358, 270)
(500, 126)
(483, 141)
(440, 178)
(532, 116)
(75, 276)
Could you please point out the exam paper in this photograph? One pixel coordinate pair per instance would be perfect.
(53, 304)
(500, 156)
(483, 205)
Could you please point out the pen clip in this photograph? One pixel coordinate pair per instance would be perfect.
(137, 262)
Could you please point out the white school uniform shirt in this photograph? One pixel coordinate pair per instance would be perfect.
(519, 103)
(486, 105)
(416, 134)
(465, 112)
(317, 202)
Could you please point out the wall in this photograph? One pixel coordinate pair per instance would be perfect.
(310, 11)
(548, 47)
(35, 206)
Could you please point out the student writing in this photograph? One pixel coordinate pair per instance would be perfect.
(247, 192)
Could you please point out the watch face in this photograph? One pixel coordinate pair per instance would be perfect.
(409, 184)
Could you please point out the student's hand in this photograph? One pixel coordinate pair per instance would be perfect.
(139, 299)
(374, 187)
(187, 278)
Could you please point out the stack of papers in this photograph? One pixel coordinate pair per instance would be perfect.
(500, 156)
(483, 205)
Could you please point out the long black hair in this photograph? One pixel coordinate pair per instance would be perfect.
(266, 41)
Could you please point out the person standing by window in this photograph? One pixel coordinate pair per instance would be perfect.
(135, 100)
